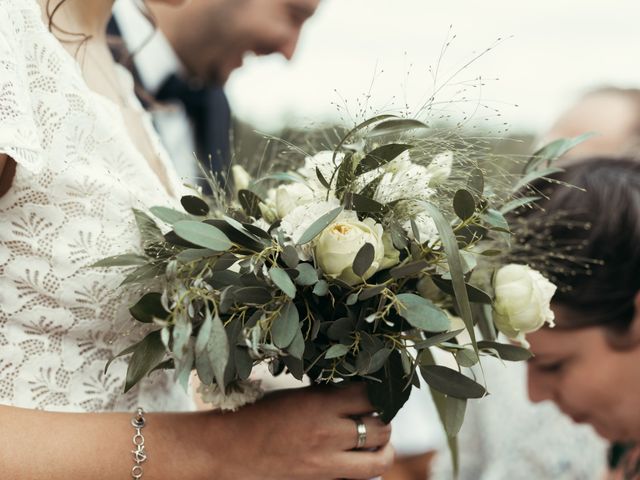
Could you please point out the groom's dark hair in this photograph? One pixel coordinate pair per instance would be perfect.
(586, 232)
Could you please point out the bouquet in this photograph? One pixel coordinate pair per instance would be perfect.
(353, 267)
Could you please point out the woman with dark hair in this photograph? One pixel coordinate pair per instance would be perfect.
(77, 155)
(589, 364)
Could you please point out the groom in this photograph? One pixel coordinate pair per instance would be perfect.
(186, 62)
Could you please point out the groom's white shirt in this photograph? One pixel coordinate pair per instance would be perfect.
(155, 61)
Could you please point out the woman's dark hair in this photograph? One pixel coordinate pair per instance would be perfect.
(589, 225)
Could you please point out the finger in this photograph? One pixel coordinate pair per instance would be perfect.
(364, 465)
(352, 400)
(377, 433)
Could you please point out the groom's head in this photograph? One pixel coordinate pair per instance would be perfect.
(613, 114)
(211, 37)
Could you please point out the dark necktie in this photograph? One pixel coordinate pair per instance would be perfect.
(208, 110)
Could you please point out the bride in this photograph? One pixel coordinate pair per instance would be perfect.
(77, 154)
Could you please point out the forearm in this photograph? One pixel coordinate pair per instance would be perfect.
(7, 172)
(42, 445)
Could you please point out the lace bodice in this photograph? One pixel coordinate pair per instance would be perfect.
(77, 179)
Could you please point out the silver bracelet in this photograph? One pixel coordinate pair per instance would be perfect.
(139, 454)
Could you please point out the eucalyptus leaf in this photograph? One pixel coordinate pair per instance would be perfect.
(218, 350)
(321, 288)
(149, 230)
(356, 129)
(371, 292)
(194, 205)
(340, 329)
(450, 245)
(345, 175)
(464, 204)
(169, 215)
(390, 392)
(308, 275)
(511, 353)
(362, 204)
(283, 281)
(181, 334)
(319, 225)
(380, 156)
(124, 352)
(396, 125)
(290, 256)
(148, 308)
(466, 357)
(144, 272)
(451, 382)
(323, 181)
(352, 299)
(409, 269)
(126, 260)
(296, 349)
(203, 235)
(336, 351)
(147, 354)
(474, 294)
(194, 254)
(378, 359)
(363, 259)
(438, 339)
(252, 295)
(421, 313)
(285, 326)
(454, 415)
(555, 150)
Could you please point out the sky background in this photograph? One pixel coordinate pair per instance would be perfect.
(550, 52)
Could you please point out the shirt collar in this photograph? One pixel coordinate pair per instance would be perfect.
(154, 59)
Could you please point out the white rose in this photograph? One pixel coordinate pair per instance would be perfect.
(241, 179)
(523, 301)
(337, 246)
(290, 196)
(440, 168)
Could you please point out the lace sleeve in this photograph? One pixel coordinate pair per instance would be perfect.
(19, 136)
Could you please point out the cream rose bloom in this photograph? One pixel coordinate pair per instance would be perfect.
(523, 301)
(337, 246)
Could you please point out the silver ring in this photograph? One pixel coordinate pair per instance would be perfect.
(362, 433)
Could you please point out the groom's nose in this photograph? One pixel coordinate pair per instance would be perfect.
(288, 47)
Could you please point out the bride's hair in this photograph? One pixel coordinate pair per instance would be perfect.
(51, 12)
(588, 223)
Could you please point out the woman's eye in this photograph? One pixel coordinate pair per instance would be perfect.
(550, 367)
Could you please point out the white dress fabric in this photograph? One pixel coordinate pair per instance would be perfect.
(78, 177)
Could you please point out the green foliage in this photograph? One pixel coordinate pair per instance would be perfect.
(319, 225)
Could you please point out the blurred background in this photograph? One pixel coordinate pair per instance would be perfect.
(495, 66)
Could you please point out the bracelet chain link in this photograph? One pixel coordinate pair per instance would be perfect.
(139, 454)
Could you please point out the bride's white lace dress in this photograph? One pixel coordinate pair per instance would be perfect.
(78, 177)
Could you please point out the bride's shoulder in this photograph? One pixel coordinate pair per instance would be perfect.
(20, 30)
(18, 19)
